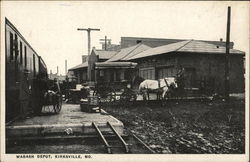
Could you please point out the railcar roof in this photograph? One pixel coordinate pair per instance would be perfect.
(7, 22)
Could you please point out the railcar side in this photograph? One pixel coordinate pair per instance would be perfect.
(19, 56)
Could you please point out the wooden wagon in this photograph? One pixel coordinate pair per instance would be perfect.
(114, 81)
(115, 91)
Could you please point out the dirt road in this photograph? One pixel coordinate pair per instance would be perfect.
(187, 126)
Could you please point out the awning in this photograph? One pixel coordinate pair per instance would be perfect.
(114, 65)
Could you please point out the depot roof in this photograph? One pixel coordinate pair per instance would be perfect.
(190, 46)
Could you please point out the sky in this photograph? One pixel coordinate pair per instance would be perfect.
(51, 27)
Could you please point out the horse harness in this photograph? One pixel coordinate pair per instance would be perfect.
(167, 85)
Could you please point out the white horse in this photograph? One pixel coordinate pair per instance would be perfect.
(161, 86)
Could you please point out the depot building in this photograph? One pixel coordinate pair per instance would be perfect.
(202, 63)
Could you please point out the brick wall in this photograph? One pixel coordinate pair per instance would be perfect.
(155, 42)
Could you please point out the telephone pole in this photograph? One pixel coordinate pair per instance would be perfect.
(105, 42)
(66, 70)
(89, 39)
(227, 55)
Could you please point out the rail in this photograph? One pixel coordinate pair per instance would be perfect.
(120, 138)
(102, 137)
(108, 147)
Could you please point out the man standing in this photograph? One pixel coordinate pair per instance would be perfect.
(55, 86)
(180, 82)
(39, 89)
(24, 95)
(55, 89)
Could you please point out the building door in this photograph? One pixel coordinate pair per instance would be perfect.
(92, 74)
(190, 77)
(112, 76)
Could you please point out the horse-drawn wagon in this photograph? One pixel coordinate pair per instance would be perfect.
(115, 91)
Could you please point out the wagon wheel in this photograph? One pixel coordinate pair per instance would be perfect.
(128, 96)
(48, 108)
(47, 105)
(111, 97)
(58, 106)
(106, 94)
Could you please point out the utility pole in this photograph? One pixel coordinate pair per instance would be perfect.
(66, 70)
(57, 70)
(89, 39)
(227, 55)
(105, 42)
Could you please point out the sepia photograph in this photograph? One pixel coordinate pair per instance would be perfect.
(139, 80)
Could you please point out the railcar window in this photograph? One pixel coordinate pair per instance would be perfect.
(39, 63)
(25, 56)
(34, 64)
(21, 53)
(11, 46)
(16, 47)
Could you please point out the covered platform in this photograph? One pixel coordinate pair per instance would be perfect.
(70, 121)
(114, 65)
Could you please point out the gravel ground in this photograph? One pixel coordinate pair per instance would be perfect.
(187, 126)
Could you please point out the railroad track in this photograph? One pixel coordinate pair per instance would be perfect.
(118, 141)
(109, 147)
(111, 143)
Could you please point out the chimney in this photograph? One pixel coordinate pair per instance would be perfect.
(50, 71)
(138, 41)
(221, 40)
(57, 70)
(84, 58)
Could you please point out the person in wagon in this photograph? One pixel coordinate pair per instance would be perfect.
(40, 87)
(55, 86)
(180, 80)
(54, 91)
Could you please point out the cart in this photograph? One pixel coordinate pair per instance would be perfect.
(115, 91)
(52, 102)
(105, 91)
(52, 98)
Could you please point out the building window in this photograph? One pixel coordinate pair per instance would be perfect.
(118, 76)
(147, 73)
(101, 73)
(11, 46)
(25, 56)
(165, 72)
(21, 53)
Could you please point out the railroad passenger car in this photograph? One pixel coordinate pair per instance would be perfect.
(19, 56)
